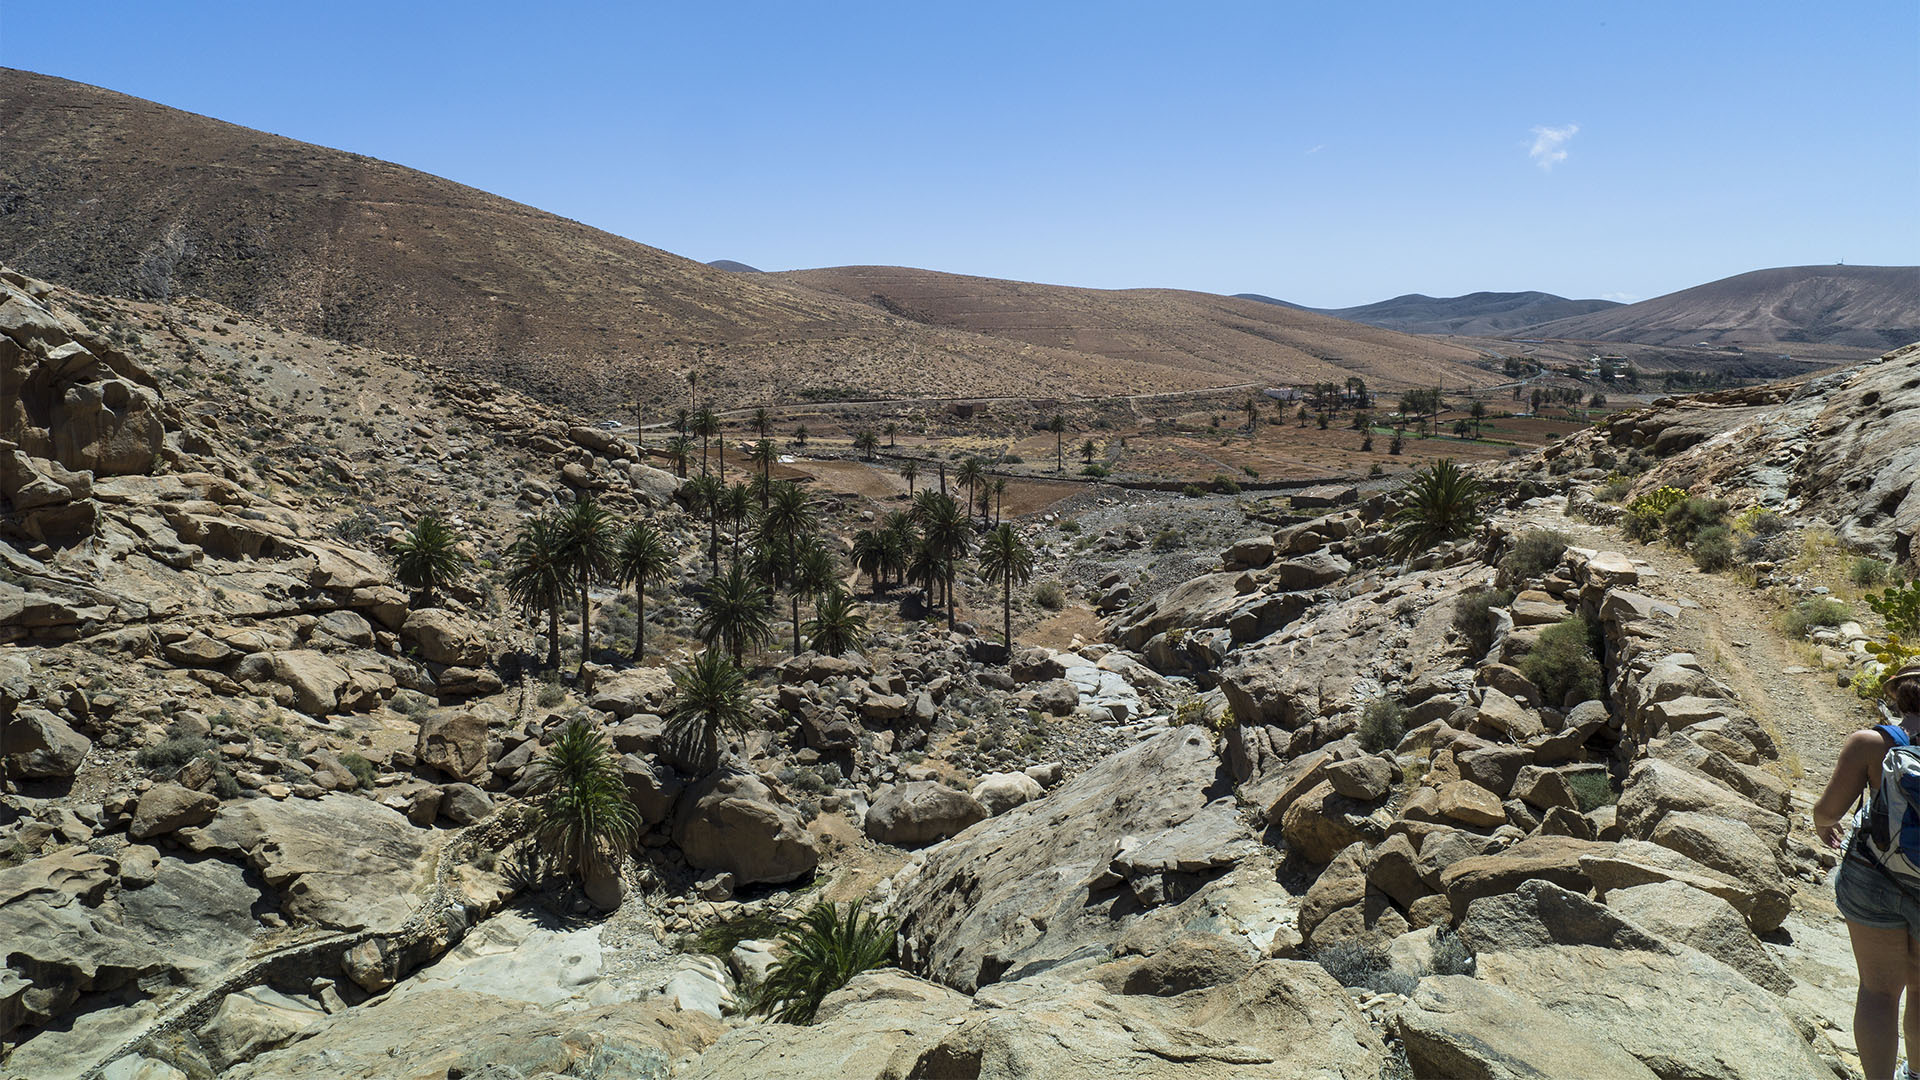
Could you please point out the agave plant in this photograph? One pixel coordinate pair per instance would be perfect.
(583, 818)
(823, 952)
(1443, 503)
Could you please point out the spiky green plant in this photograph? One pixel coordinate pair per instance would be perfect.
(582, 817)
(1443, 503)
(837, 624)
(709, 696)
(428, 557)
(823, 952)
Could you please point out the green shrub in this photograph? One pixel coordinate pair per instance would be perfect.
(1070, 526)
(1815, 611)
(1641, 525)
(360, 767)
(1685, 520)
(1224, 484)
(1759, 521)
(1592, 789)
(1050, 595)
(1658, 501)
(1097, 471)
(1193, 491)
(1451, 955)
(1473, 616)
(1713, 548)
(1563, 664)
(1534, 553)
(1382, 726)
(1354, 964)
(550, 694)
(1900, 606)
(1867, 572)
(1613, 489)
(180, 747)
(1169, 540)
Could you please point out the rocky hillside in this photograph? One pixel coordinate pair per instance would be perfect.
(1876, 307)
(1532, 803)
(120, 196)
(1481, 314)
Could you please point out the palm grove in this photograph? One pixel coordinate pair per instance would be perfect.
(766, 561)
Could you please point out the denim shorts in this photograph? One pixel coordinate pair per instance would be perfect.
(1866, 896)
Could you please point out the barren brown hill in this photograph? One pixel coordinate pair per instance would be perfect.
(1481, 313)
(1872, 307)
(114, 194)
(1170, 329)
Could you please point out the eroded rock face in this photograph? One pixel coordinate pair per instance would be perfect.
(40, 744)
(1029, 888)
(733, 822)
(338, 861)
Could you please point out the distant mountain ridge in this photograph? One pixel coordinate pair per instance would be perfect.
(733, 266)
(1480, 314)
(1874, 307)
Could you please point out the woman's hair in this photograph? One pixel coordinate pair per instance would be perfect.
(1906, 695)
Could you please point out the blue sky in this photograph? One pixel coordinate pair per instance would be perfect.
(1329, 154)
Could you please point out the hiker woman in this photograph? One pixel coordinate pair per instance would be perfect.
(1882, 911)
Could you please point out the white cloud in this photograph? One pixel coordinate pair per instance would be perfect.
(1550, 144)
(1317, 149)
(1619, 297)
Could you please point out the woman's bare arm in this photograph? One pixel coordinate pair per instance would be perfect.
(1857, 768)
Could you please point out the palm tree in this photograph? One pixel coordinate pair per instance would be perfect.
(800, 436)
(1443, 503)
(706, 496)
(971, 473)
(738, 510)
(999, 497)
(678, 450)
(892, 429)
(1058, 425)
(1006, 558)
(709, 696)
(806, 570)
(823, 952)
(1479, 414)
(764, 455)
(923, 568)
(1086, 451)
(870, 554)
(837, 625)
(736, 611)
(583, 818)
(537, 578)
(866, 442)
(910, 472)
(948, 532)
(644, 557)
(706, 424)
(789, 516)
(682, 418)
(428, 557)
(586, 549)
(760, 421)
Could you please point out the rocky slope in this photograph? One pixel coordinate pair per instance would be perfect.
(266, 812)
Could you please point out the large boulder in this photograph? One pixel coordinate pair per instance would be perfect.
(441, 637)
(732, 822)
(1149, 825)
(1001, 792)
(454, 743)
(1458, 1026)
(921, 812)
(1690, 916)
(39, 744)
(166, 807)
(1734, 850)
(254, 1020)
(875, 1027)
(1677, 1010)
(338, 861)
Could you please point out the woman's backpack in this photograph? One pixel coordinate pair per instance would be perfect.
(1892, 827)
